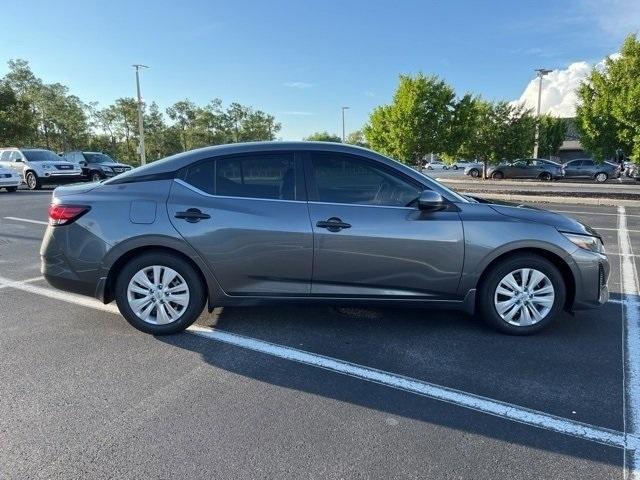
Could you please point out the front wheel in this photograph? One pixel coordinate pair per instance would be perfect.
(601, 177)
(455, 167)
(522, 295)
(32, 181)
(474, 172)
(545, 177)
(159, 293)
(497, 175)
(96, 177)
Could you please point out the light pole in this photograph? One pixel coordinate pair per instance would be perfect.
(143, 158)
(343, 136)
(540, 72)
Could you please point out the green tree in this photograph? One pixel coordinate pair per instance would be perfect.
(323, 137)
(608, 114)
(15, 117)
(417, 122)
(552, 133)
(357, 138)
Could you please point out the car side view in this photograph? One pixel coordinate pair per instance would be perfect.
(307, 222)
(533, 168)
(587, 168)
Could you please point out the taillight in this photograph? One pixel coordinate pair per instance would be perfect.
(65, 214)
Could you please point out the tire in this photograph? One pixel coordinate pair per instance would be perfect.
(455, 167)
(522, 323)
(601, 177)
(12, 189)
(474, 172)
(429, 167)
(32, 181)
(497, 175)
(95, 176)
(189, 308)
(545, 177)
(444, 167)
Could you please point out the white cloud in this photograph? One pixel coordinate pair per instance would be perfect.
(559, 97)
(298, 84)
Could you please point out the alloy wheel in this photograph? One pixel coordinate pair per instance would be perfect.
(601, 177)
(31, 181)
(158, 295)
(524, 297)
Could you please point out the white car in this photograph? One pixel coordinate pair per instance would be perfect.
(436, 165)
(461, 164)
(37, 166)
(9, 179)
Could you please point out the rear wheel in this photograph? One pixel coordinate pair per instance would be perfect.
(601, 177)
(159, 293)
(32, 181)
(545, 177)
(12, 189)
(497, 175)
(522, 295)
(474, 172)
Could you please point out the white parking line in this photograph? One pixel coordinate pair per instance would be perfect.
(460, 398)
(617, 229)
(22, 282)
(27, 220)
(631, 349)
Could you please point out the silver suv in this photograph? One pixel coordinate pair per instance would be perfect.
(305, 222)
(39, 167)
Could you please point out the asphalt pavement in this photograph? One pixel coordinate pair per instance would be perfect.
(306, 392)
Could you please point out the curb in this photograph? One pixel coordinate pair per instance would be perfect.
(549, 185)
(611, 202)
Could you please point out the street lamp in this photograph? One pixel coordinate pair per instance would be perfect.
(540, 72)
(343, 109)
(143, 158)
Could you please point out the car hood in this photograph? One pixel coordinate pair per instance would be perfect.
(115, 164)
(538, 215)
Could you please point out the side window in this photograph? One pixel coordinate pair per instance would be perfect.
(267, 176)
(14, 156)
(4, 156)
(345, 179)
(587, 163)
(519, 163)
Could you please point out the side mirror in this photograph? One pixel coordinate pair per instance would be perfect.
(430, 201)
(18, 160)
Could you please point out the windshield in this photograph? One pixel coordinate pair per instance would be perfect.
(98, 158)
(41, 156)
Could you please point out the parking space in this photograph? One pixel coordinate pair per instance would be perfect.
(85, 395)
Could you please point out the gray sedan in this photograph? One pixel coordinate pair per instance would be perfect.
(587, 168)
(534, 168)
(305, 222)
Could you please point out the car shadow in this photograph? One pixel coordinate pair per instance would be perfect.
(562, 369)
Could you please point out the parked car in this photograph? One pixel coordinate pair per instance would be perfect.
(541, 169)
(462, 164)
(37, 166)
(587, 168)
(473, 169)
(96, 166)
(436, 165)
(9, 179)
(230, 226)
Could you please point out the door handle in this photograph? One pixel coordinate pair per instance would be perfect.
(333, 224)
(192, 215)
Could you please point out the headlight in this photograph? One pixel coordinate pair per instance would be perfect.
(586, 242)
(106, 169)
(47, 166)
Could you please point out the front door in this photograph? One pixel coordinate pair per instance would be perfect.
(247, 216)
(370, 238)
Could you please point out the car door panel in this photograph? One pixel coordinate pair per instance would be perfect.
(387, 249)
(255, 246)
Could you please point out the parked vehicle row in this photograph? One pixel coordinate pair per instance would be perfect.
(547, 170)
(440, 165)
(37, 167)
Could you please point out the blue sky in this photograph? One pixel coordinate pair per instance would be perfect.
(301, 60)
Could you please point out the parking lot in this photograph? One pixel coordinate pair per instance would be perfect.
(304, 392)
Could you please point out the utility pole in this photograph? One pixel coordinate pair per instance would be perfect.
(540, 72)
(143, 158)
(343, 131)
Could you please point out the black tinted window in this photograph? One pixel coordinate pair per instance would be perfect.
(345, 179)
(269, 176)
(587, 163)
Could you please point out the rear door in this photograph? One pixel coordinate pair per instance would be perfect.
(247, 216)
(370, 238)
(572, 169)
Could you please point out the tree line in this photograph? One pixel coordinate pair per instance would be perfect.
(34, 113)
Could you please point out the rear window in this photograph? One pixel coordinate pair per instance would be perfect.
(267, 176)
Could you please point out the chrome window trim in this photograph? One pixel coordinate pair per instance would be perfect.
(361, 205)
(205, 194)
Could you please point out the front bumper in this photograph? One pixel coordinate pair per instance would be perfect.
(52, 176)
(591, 289)
(10, 182)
